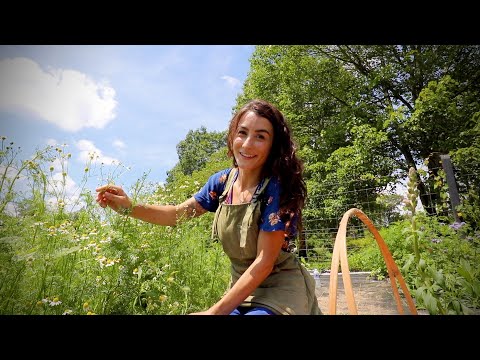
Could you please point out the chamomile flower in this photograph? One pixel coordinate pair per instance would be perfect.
(56, 301)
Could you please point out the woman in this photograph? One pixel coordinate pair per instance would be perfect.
(258, 208)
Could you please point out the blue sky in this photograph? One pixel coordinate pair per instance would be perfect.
(129, 105)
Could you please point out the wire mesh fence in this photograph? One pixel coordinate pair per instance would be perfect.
(319, 233)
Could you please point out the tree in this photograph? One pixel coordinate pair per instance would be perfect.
(375, 109)
(194, 151)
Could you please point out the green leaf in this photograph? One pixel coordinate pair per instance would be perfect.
(437, 276)
(430, 303)
(408, 263)
(457, 306)
(24, 256)
(66, 251)
(476, 287)
(465, 270)
(422, 264)
(419, 292)
(466, 310)
(11, 240)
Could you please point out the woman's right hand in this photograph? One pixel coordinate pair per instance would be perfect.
(114, 197)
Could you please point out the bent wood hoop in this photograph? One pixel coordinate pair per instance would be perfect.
(339, 256)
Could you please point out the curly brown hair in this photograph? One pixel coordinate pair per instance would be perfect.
(282, 161)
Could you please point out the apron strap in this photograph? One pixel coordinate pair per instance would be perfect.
(220, 200)
(247, 218)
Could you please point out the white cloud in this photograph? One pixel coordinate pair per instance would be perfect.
(56, 165)
(8, 173)
(119, 144)
(20, 184)
(58, 185)
(51, 142)
(231, 81)
(88, 151)
(66, 98)
(11, 209)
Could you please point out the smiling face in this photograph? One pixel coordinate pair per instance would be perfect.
(252, 141)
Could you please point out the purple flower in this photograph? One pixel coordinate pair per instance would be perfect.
(457, 225)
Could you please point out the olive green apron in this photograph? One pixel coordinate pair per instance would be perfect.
(289, 289)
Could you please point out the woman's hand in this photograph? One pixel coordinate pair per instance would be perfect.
(114, 197)
(206, 312)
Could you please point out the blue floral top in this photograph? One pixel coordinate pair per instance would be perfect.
(208, 196)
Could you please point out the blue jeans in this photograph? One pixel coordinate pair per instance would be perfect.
(244, 310)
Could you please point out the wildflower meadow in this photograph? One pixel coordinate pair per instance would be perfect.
(61, 253)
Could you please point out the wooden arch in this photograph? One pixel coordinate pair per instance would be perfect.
(339, 257)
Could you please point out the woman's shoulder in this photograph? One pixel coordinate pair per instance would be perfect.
(222, 175)
(219, 179)
(272, 190)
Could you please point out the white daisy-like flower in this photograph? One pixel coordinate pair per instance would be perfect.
(110, 262)
(56, 301)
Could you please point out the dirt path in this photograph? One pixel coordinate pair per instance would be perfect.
(372, 297)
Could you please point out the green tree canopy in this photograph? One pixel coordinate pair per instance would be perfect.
(371, 111)
(194, 151)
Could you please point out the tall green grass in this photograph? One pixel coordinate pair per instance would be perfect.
(91, 260)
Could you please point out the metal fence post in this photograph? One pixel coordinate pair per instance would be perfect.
(452, 184)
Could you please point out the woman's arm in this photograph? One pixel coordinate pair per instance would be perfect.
(268, 247)
(115, 197)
